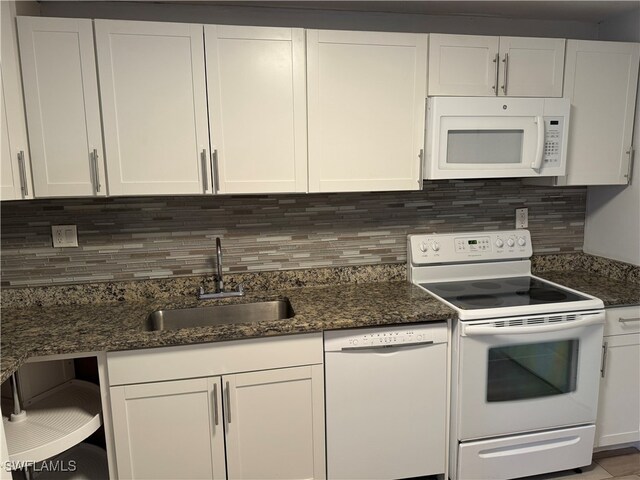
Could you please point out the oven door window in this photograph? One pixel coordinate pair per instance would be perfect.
(519, 372)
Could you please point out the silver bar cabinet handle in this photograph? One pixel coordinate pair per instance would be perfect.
(625, 320)
(603, 366)
(496, 60)
(215, 404)
(228, 402)
(96, 172)
(631, 152)
(203, 162)
(23, 174)
(214, 161)
(420, 167)
(506, 73)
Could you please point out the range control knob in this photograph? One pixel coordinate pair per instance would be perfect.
(435, 246)
(424, 247)
(511, 242)
(499, 243)
(522, 241)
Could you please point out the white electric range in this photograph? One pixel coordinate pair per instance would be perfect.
(526, 356)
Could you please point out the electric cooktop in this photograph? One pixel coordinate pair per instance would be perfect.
(501, 292)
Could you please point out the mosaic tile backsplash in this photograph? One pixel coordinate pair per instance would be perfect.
(156, 237)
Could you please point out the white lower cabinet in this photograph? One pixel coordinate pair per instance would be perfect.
(257, 424)
(169, 429)
(619, 403)
(274, 423)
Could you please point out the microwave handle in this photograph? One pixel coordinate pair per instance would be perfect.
(537, 163)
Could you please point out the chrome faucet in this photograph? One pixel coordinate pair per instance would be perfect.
(218, 281)
(218, 278)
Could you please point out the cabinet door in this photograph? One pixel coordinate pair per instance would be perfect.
(152, 85)
(601, 80)
(13, 183)
(63, 112)
(463, 65)
(531, 67)
(15, 173)
(169, 429)
(366, 110)
(619, 402)
(257, 108)
(275, 424)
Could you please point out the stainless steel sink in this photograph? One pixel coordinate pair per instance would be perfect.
(219, 315)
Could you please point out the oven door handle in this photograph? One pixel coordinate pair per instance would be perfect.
(590, 319)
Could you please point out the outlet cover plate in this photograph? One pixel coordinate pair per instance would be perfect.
(64, 236)
(522, 217)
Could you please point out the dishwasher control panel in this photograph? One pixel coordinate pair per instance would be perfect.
(395, 336)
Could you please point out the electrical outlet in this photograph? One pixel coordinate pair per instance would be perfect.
(522, 217)
(64, 235)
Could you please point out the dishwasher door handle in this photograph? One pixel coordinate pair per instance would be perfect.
(385, 347)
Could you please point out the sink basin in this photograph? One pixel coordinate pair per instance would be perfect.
(175, 319)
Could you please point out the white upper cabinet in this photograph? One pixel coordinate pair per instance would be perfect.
(366, 101)
(63, 112)
(154, 107)
(601, 81)
(472, 65)
(531, 67)
(465, 65)
(15, 171)
(14, 182)
(256, 83)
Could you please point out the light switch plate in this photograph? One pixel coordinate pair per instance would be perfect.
(64, 236)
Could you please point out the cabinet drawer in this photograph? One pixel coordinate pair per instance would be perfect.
(208, 359)
(622, 320)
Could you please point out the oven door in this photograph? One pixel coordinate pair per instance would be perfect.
(528, 373)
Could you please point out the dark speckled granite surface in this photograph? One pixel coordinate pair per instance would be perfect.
(37, 331)
(111, 315)
(613, 292)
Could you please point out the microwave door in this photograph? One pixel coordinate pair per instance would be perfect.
(490, 146)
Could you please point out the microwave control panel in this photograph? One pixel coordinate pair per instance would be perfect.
(553, 127)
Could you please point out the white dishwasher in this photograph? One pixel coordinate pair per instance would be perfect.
(386, 401)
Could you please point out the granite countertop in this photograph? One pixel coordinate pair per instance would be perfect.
(49, 330)
(613, 292)
(112, 316)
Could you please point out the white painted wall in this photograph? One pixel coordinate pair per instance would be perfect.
(612, 226)
(330, 19)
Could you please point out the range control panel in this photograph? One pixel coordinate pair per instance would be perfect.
(469, 247)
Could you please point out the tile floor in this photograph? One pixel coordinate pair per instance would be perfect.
(622, 464)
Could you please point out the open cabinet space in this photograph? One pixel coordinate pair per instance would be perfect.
(53, 421)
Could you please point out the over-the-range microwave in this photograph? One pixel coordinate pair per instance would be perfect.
(476, 137)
